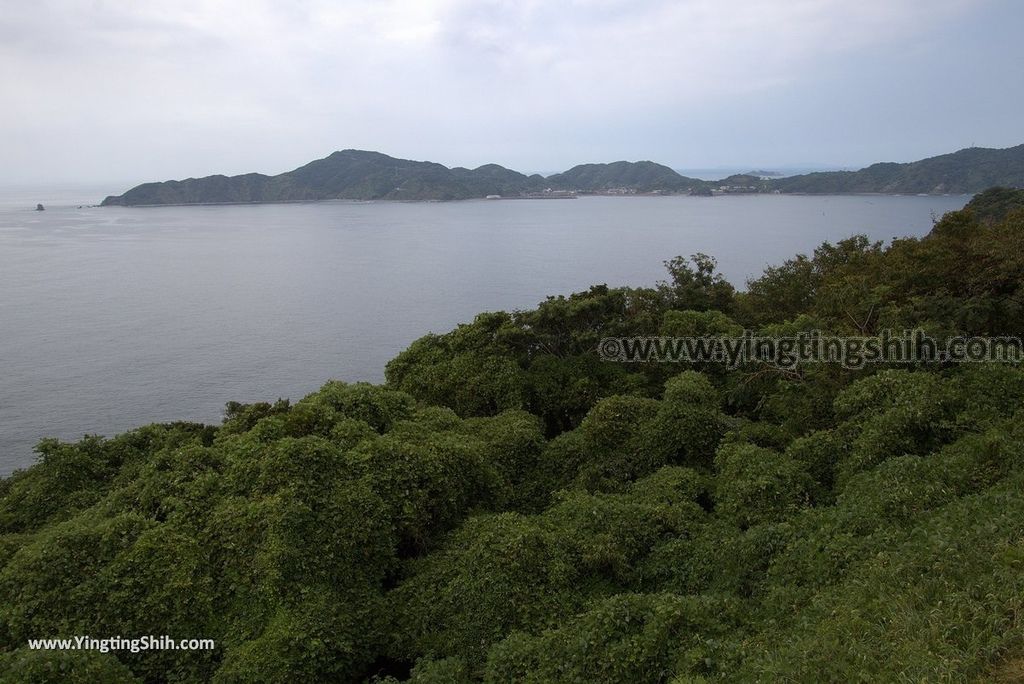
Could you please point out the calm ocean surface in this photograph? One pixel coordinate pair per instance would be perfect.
(113, 318)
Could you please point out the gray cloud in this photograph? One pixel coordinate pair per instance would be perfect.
(131, 91)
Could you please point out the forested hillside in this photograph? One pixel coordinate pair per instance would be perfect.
(510, 507)
(362, 175)
(346, 174)
(642, 176)
(963, 171)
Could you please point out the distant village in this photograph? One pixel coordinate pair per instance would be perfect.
(742, 184)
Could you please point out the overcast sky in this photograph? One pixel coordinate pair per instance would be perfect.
(130, 91)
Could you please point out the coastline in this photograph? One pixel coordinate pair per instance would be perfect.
(580, 195)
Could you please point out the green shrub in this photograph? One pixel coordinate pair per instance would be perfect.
(496, 574)
(444, 671)
(894, 413)
(688, 425)
(755, 485)
(625, 638)
(429, 485)
(24, 666)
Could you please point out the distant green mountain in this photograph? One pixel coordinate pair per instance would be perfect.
(348, 174)
(968, 170)
(361, 175)
(642, 176)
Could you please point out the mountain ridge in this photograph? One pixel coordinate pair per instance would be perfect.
(971, 169)
(366, 175)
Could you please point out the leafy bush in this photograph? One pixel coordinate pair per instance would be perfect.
(625, 638)
(25, 666)
(756, 485)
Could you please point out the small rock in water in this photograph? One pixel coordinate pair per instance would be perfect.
(40, 207)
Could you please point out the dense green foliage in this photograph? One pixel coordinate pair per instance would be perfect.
(361, 175)
(511, 508)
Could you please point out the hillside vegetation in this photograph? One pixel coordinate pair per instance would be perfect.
(348, 174)
(361, 175)
(643, 176)
(511, 508)
(968, 170)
